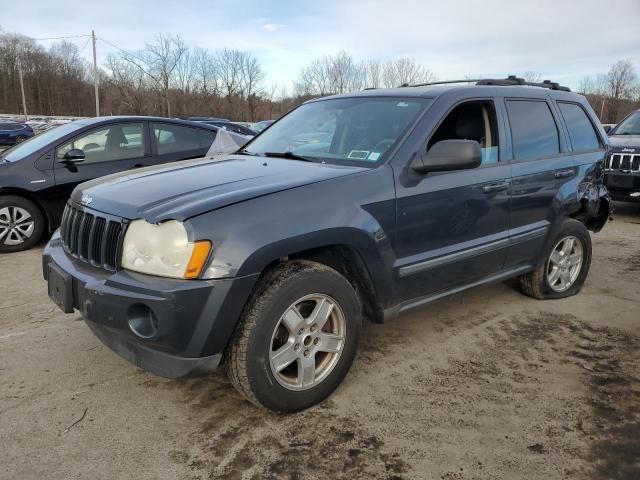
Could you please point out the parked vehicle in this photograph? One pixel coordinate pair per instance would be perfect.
(37, 176)
(260, 126)
(12, 133)
(274, 258)
(622, 168)
(205, 119)
(232, 127)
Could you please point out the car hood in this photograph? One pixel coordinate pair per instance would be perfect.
(181, 190)
(625, 143)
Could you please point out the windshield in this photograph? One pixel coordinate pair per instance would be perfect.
(628, 126)
(343, 130)
(34, 144)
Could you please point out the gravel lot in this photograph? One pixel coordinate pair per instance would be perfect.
(488, 385)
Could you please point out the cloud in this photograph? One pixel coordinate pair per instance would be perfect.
(273, 27)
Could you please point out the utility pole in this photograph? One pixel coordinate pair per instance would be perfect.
(24, 101)
(95, 73)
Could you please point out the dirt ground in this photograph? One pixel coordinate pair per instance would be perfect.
(486, 385)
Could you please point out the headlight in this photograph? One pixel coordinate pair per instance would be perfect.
(163, 250)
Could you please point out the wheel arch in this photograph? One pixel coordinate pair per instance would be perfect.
(27, 195)
(350, 251)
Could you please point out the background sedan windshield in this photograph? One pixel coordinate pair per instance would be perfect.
(350, 130)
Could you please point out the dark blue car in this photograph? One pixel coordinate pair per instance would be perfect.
(12, 132)
(348, 210)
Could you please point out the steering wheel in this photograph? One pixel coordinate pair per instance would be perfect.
(383, 145)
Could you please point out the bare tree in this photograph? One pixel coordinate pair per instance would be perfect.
(405, 71)
(531, 76)
(252, 76)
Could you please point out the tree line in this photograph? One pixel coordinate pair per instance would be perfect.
(169, 78)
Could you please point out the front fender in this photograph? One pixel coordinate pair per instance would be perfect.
(352, 211)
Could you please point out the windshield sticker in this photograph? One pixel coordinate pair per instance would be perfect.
(374, 156)
(402, 104)
(358, 154)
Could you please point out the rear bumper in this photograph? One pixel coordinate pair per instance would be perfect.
(169, 327)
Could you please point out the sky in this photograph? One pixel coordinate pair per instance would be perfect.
(564, 40)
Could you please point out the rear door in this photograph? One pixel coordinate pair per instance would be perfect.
(172, 142)
(453, 227)
(543, 175)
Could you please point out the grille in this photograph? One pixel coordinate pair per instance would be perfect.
(91, 237)
(623, 162)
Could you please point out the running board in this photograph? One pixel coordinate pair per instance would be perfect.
(393, 312)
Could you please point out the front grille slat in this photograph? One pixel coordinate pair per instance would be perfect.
(91, 237)
(97, 236)
(111, 250)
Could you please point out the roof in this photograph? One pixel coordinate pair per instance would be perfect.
(486, 87)
(120, 118)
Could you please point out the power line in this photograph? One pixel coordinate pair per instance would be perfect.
(112, 45)
(84, 46)
(61, 38)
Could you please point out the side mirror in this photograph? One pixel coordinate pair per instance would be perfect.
(449, 155)
(74, 155)
(607, 128)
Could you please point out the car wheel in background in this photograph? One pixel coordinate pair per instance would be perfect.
(297, 337)
(21, 224)
(20, 139)
(566, 264)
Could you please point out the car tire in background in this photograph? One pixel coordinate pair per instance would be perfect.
(566, 264)
(20, 139)
(21, 224)
(297, 337)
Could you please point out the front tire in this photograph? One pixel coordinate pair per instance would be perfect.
(565, 267)
(21, 224)
(297, 337)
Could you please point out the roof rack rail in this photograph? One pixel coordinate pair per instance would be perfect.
(511, 80)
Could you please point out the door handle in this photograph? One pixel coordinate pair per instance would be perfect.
(564, 173)
(495, 187)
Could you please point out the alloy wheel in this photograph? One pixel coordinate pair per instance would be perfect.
(307, 342)
(564, 264)
(16, 225)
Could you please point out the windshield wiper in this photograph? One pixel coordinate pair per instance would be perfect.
(245, 152)
(289, 155)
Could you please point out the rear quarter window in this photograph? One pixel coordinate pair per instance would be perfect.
(533, 130)
(581, 131)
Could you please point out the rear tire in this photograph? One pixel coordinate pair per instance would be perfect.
(20, 139)
(566, 264)
(21, 224)
(297, 337)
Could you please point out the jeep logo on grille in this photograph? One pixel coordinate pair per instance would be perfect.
(86, 200)
(628, 150)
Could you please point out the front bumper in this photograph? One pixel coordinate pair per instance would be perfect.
(623, 186)
(169, 327)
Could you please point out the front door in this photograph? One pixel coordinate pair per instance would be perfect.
(453, 227)
(107, 149)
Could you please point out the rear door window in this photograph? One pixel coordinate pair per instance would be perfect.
(581, 132)
(179, 139)
(533, 130)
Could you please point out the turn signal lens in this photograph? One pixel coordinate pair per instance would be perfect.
(198, 259)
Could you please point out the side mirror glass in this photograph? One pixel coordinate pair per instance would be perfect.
(449, 155)
(74, 155)
(607, 128)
